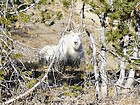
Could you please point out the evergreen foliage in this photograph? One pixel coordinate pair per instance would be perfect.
(120, 19)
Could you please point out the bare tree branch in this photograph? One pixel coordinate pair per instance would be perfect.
(28, 7)
(70, 17)
(37, 84)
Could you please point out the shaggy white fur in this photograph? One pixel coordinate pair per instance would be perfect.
(69, 49)
(47, 53)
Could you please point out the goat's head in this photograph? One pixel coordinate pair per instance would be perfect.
(76, 40)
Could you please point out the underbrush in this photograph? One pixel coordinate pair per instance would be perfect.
(68, 87)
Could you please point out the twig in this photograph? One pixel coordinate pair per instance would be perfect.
(28, 7)
(121, 86)
(70, 17)
(7, 88)
(30, 90)
(112, 52)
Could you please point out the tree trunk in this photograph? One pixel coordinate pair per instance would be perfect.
(110, 2)
(120, 81)
(130, 80)
(122, 72)
(135, 54)
(96, 72)
(103, 64)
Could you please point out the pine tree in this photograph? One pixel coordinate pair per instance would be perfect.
(123, 36)
(120, 25)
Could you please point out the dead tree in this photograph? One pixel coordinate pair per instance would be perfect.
(102, 70)
(103, 58)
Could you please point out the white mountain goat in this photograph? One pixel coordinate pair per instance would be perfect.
(69, 50)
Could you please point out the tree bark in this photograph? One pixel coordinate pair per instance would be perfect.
(110, 2)
(130, 80)
(103, 65)
(96, 72)
(120, 81)
(122, 72)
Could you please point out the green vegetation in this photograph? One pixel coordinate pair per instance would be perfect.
(66, 3)
(74, 91)
(31, 83)
(1, 75)
(120, 20)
